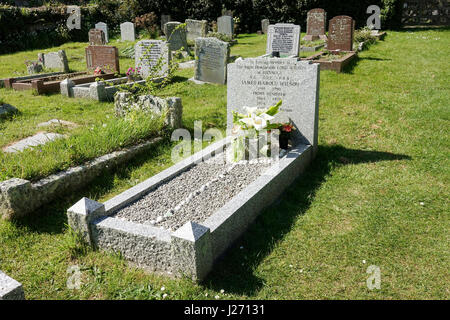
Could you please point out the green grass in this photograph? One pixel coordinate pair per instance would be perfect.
(377, 192)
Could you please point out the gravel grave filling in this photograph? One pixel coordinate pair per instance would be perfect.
(194, 194)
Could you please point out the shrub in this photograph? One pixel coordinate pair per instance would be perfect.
(148, 22)
(220, 36)
(363, 35)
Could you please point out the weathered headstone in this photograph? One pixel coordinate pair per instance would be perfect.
(196, 29)
(176, 36)
(33, 141)
(104, 27)
(225, 25)
(164, 19)
(96, 37)
(54, 60)
(211, 57)
(316, 25)
(340, 33)
(283, 38)
(105, 57)
(265, 25)
(147, 54)
(260, 82)
(127, 31)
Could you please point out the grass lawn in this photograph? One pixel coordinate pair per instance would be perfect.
(377, 193)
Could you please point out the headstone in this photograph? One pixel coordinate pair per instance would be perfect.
(104, 27)
(340, 33)
(54, 60)
(225, 25)
(196, 29)
(262, 82)
(316, 25)
(105, 57)
(176, 36)
(283, 38)
(96, 37)
(265, 25)
(127, 31)
(211, 58)
(164, 19)
(147, 54)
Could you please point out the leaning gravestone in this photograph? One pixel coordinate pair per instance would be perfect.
(148, 52)
(164, 19)
(211, 60)
(96, 37)
(176, 36)
(127, 31)
(265, 25)
(340, 33)
(105, 57)
(259, 82)
(54, 60)
(196, 29)
(225, 25)
(283, 38)
(315, 25)
(104, 27)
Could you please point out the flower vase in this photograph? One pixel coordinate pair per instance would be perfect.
(284, 140)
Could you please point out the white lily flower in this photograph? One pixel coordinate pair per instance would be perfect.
(259, 123)
(236, 129)
(250, 110)
(266, 117)
(248, 122)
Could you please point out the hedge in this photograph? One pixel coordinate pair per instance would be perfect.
(45, 26)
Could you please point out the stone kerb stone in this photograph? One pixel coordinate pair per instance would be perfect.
(10, 289)
(259, 82)
(196, 29)
(81, 214)
(211, 60)
(283, 38)
(55, 60)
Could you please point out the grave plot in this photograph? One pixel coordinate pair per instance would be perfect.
(7, 82)
(182, 219)
(339, 51)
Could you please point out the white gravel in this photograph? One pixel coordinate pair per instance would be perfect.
(193, 195)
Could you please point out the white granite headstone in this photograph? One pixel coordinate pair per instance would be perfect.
(127, 31)
(104, 27)
(147, 54)
(283, 38)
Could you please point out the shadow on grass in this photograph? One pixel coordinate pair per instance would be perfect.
(235, 271)
(52, 218)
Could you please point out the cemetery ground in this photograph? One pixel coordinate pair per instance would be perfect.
(375, 195)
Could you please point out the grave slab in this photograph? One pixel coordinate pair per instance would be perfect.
(55, 60)
(211, 60)
(196, 29)
(127, 32)
(283, 38)
(340, 33)
(316, 25)
(147, 54)
(225, 25)
(176, 36)
(105, 57)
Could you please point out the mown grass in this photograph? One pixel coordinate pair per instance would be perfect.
(377, 194)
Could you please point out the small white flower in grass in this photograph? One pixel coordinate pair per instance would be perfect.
(364, 261)
(301, 270)
(164, 295)
(104, 125)
(222, 291)
(422, 203)
(291, 266)
(217, 297)
(206, 294)
(163, 288)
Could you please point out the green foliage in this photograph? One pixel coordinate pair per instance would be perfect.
(220, 36)
(363, 35)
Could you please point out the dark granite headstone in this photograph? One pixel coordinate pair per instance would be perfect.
(315, 25)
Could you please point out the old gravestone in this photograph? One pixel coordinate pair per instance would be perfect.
(55, 60)
(105, 57)
(164, 19)
(259, 82)
(283, 38)
(265, 25)
(340, 33)
(104, 27)
(225, 25)
(316, 25)
(127, 31)
(148, 52)
(96, 37)
(176, 36)
(211, 58)
(196, 29)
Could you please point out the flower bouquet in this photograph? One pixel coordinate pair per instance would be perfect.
(133, 74)
(251, 128)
